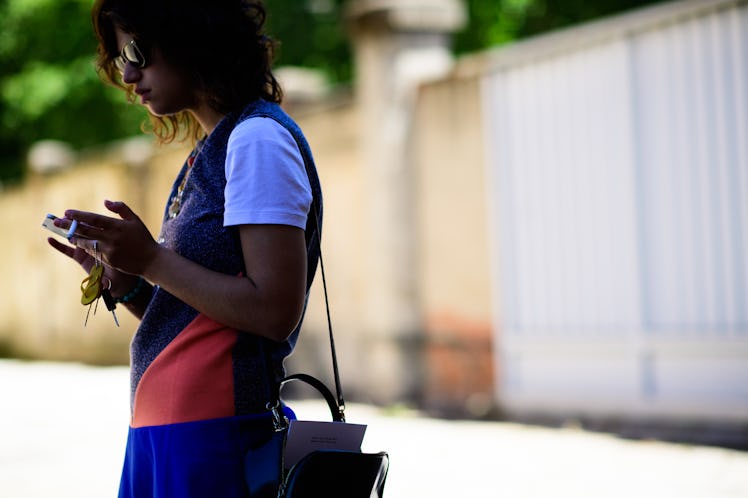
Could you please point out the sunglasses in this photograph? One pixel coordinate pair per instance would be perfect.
(130, 54)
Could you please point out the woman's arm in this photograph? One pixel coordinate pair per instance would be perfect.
(268, 301)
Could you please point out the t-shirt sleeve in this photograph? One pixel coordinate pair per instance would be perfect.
(266, 182)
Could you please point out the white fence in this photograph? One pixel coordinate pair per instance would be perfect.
(618, 153)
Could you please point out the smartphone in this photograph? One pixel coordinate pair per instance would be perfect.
(49, 224)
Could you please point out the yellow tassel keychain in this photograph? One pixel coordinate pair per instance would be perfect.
(92, 288)
(91, 285)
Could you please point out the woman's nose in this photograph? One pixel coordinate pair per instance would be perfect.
(131, 74)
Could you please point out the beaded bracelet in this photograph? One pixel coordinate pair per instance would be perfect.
(133, 292)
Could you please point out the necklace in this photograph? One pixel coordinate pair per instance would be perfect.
(175, 204)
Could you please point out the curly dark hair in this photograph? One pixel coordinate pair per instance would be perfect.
(220, 45)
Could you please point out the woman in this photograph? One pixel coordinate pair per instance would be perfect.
(222, 291)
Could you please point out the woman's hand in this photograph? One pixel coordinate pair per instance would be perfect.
(124, 244)
(77, 254)
(267, 301)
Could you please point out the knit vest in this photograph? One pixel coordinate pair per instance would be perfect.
(198, 234)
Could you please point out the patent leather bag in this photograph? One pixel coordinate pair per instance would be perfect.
(321, 473)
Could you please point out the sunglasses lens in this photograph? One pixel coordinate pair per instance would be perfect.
(133, 55)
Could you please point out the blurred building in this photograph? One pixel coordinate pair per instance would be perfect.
(555, 228)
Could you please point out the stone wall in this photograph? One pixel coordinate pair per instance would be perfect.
(41, 315)
(405, 243)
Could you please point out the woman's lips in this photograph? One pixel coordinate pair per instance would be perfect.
(144, 95)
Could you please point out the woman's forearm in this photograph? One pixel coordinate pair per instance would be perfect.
(258, 305)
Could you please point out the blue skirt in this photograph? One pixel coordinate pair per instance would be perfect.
(193, 459)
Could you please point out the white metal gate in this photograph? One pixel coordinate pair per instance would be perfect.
(618, 153)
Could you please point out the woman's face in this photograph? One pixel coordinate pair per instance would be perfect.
(160, 86)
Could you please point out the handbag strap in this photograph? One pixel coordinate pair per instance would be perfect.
(335, 369)
(337, 403)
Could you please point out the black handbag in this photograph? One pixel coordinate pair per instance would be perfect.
(321, 473)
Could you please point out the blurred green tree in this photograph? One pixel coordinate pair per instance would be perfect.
(48, 86)
(49, 89)
(311, 33)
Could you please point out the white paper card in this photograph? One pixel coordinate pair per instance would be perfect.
(305, 436)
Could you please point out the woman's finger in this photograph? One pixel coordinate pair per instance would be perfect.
(91, 246)
(76, 254)
(122, 209)
(63, 248)
(81, 230)
(85, 231)
(92, 220)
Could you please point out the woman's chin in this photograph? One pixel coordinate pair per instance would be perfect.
(157, 110)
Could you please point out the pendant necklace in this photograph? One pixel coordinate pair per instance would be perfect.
(175, 204)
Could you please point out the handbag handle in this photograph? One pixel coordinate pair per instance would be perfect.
(332, 403)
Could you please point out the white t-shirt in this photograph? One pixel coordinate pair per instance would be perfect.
(266, 182)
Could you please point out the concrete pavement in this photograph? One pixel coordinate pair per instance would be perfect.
(63, 428)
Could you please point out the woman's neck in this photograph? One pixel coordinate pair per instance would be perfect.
(207, 117)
